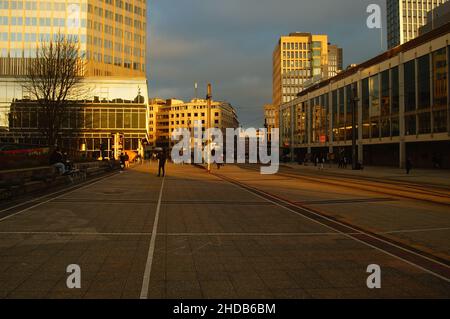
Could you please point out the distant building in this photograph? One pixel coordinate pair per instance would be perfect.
(299, 58)
(405, 17)
(436, 18)
(403, 109)
(165, 116)
(335, 60)
(270, 119)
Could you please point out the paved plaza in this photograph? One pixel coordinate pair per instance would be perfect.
(199, 235)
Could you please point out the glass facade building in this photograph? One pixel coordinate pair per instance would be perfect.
(402, 108)
(406, 17)
(110, 33)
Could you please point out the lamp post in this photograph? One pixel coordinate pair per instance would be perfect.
(355, 101)
(208, 125)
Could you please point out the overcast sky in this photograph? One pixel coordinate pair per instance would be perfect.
(230, 43)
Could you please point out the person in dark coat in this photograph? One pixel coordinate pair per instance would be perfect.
(408, 166)
(57, 161)
(162, 159)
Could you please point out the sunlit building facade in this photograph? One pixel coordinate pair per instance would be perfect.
(111, 35)
(402, 109)
(166, 116)
(298, 59)
(270, 119)
(405, 17)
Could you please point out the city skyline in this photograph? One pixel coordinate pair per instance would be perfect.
(182, 51)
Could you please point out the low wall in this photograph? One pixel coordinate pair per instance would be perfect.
(28, 180)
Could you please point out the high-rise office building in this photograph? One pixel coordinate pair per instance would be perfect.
(405, 17)
(111, 35)
(335, 60)
(298, 59)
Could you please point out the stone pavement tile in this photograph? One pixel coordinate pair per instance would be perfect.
(220, 289)
(248, 293)
(247, 280)
(105, 285)
(291, 293)
(181, 276)
(183, 290)
(339, 278)
(41, 286)
(157, 289)
(131, 294)
(277, 280)
(134, 283)
(232, 264)
(15, 276)
(428, 287)
(7, 286)
(213, 275)
(203, 264)
(103, 295)
(25, 295)
(308, 279)
(69, 294)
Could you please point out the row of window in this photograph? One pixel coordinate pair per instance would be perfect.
(84, 119)
(426, 85)
(33, 5)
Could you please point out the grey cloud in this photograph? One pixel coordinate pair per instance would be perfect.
(230, 43)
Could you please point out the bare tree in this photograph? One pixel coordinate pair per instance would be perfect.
(54, 80)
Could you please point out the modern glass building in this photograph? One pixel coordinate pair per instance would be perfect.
(402, 109)
(111, 35)
(405, 17)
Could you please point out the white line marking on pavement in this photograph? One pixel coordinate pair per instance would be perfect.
(251, 234)
(73, 233)
(62, 233)
(50, 200)
(151, 250)
(349, 235)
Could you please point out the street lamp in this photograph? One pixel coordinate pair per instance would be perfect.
(208, 125)
(355, 101)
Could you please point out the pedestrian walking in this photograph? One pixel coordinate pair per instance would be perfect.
(127, 160)
(322, 164)
(408, 166)
(162, 159)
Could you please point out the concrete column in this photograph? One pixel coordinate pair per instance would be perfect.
(360, 121)
(448, 92)
(401, 112)
(402, 152)
(293, 118)
(361, 152)
(330, 117)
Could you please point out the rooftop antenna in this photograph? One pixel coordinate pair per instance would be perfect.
(196, 90)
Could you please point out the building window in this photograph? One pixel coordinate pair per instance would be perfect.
(365, 99)
(423, 72)
(440, 87)
(410, 86)
(374, 106)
